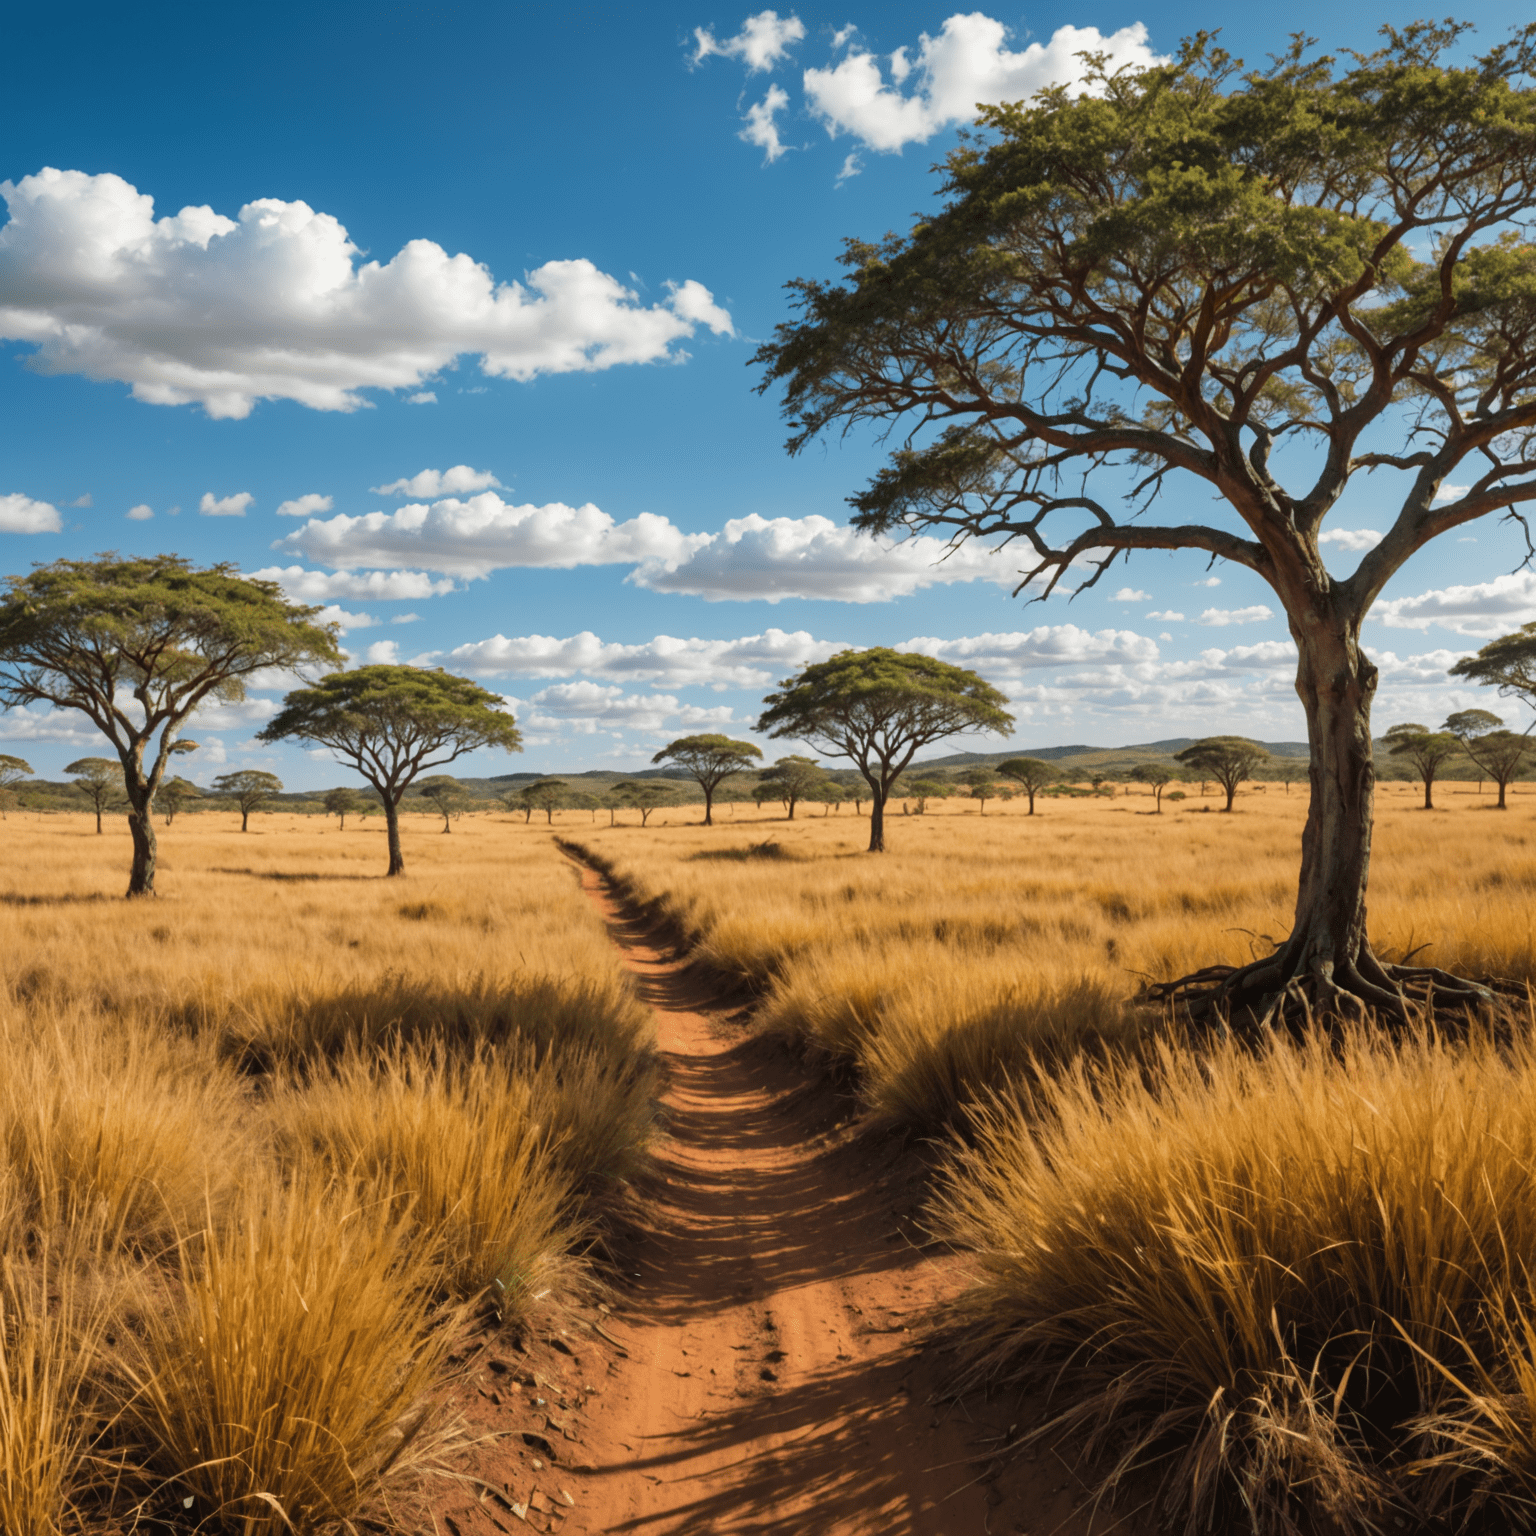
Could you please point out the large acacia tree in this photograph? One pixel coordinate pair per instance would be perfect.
(878, 708)
(391, 723)
(136, 646)
(1247, 288)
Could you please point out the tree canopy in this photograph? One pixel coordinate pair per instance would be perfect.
(393, 722)
(793, 779)
(879, 707)
(100, 781)
(1157, 776)
(1198, 282)
(709, 759)
(250, 789)
(13, 770)
(1230, 760)
(136, 645)
(1031, 774)
(1425, 749)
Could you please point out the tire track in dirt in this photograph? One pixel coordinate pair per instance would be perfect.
(771, 1386)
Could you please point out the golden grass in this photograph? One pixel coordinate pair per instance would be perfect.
(1296, 1285)
(1298, 1281)
(276, 1131)
(1045, 925)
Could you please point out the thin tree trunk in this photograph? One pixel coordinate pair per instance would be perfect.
(1429, 791)
(98, 820)
(141, 823)
(392, 826)
(245, 819)
(1501, 806)
(1231, 790)
(877, 823)
(709, 805)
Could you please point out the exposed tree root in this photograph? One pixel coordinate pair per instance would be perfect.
(1273, 993)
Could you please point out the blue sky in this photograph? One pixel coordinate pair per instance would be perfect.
(443, 312)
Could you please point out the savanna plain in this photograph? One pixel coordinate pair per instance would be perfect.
(291, 1148)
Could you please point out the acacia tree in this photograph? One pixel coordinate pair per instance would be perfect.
(12, 771)
(709, 759)
(393, 722)
(175, 795)
(342, 803)
(1162, 281)
(1496, 751)
(1157, 776)
(136, 646)
(446, 794)
(1229, 760)
(250, 789)
(981, 785)
(877, 708)
(548, 795)
(924, 790)
(793, 779)
(100, 781)
(1031, 774)
(648, 796)
(1425, 750)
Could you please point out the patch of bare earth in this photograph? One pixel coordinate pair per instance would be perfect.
(764, 1372)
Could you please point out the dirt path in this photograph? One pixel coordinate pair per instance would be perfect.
(771, 1382)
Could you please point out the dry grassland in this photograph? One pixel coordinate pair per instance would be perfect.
(1294, 1289)
(268, 1139)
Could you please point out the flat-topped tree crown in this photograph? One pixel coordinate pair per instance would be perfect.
(1150, 289)
(877, 708)
(709, 759)
(136, 645)
(392, 723)
(1230, 760)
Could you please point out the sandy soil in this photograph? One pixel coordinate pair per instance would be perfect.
(765, 1371)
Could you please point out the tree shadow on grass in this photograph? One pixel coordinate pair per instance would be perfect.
(292, 877)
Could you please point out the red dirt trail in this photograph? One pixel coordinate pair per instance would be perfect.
(771, 1380)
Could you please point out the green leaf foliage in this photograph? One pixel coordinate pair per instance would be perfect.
(392, 722)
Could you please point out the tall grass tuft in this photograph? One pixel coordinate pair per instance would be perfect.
(1297, 1286)
(293, 1380)
(49, 1336)
(458, 1150)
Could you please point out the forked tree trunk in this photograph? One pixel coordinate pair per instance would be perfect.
(141, 823)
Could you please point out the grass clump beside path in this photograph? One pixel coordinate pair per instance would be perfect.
(1296, 1286)
(269, 1145)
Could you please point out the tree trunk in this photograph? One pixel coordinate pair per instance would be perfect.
(709, 805)
(1429, 791)
(877, 823)
(98, 821)
(245, 819)
(141, 823)
(1328, 940)
(1501, 805)
(392, 826)
(1231, 790)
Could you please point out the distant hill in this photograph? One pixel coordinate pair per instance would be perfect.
(1101, 757)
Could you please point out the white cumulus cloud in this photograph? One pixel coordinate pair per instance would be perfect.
(1166, 616)
(1482, 609)
(775, 558)
(224, 506)
(472, 538)
(200, 308)
(941, 82)
(587, 708)
(1356, 540)
(1219, 618)
(760, 127)
(1131, 595)
(1048, 645)
(751, 661)
(1451, 492)
(305, 586)
(305, 506)
(21, 514)
(430, 484)
(763, 41)
(141, 513)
